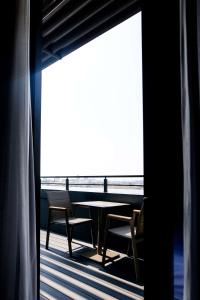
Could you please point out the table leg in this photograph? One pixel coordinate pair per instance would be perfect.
(96, 254)
(99, 229)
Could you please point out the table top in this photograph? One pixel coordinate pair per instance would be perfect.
(100, 204)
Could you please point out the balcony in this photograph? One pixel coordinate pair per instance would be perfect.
(63, 277)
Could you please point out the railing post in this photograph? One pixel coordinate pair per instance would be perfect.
(105, 184)
(67, 184)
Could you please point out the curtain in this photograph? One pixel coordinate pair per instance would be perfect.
(190, 54)
(18, 252)
(162, 144)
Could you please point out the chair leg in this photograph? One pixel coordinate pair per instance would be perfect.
(71, 233)
(69, 239)
(48, 230)
(92, 233)
(105, 245)
(128, 249)
(135, 259)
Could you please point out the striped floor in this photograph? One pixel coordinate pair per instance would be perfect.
(64, 278)
(178, 267)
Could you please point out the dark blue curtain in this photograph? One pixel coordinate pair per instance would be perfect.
(171, 52)
(163, 160)
(190, 101)
(18, 163)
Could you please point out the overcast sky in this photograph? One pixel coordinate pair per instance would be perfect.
(92, 107)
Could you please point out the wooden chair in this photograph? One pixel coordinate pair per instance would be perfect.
(134, 231)
(60, 212)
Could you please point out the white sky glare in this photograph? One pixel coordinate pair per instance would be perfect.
(92, 119)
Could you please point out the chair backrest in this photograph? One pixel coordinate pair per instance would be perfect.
(59, 199)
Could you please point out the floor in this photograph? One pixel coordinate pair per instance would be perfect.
(178, 266)
(78, 278)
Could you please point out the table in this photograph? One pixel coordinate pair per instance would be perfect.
(100, 206)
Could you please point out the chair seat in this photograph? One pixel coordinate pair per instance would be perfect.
(123, 231)
(72, 221)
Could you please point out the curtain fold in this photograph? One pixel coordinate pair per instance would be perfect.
(18, 255)
(190, 101)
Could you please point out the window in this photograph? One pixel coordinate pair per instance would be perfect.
(92, 120)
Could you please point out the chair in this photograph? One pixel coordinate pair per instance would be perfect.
(60, 212)
(134, 232)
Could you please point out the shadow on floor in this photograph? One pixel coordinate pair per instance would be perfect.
(79, 278)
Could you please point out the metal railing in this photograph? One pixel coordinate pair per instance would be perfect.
(107, 182)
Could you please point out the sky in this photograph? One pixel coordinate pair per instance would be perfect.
(92, 119)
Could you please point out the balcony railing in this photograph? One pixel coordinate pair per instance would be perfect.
(127, 184)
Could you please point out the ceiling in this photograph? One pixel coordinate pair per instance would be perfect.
(69, 24)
